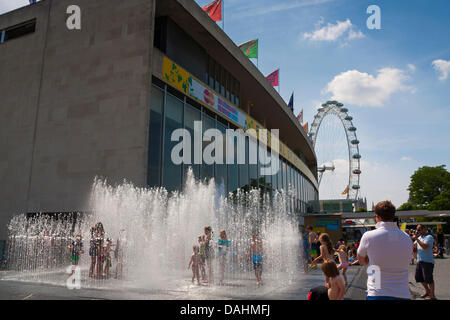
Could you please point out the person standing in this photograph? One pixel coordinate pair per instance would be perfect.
(223, 247)
(255, 251)
(425, 261)
(312, 240)
(387, 252)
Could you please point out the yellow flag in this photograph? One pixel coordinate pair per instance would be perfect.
(345, 191)
(403, 227)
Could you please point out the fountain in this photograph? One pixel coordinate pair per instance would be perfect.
(156, 232)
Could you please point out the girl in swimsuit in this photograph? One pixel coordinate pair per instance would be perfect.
(343, 262)
(223, 247)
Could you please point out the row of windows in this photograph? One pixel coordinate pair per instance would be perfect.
(169, 112)
(220, 80)
(17, 30)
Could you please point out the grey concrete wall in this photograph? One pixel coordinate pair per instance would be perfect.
(91, 111)
(20, 74)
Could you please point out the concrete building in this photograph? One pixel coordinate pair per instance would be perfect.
(100, 101)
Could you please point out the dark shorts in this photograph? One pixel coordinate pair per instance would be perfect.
(257, 265)
(424, 272)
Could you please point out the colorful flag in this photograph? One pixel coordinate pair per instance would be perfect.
(300, 117)
(273, 78)
(345, 191)
(305, 126)
(250, 48)
(214, 10)
(291, 103)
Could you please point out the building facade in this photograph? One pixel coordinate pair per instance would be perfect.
(103, 101)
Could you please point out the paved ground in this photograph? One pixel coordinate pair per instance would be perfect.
(441, 279)
(237, 289)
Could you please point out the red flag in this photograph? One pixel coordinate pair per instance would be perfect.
(214, 10)
(273, 78)
(306, 127)
(300, 117)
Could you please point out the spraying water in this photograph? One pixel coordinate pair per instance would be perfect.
(153, 233)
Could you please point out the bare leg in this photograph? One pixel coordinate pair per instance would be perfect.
(427, 289)
(91, 270)
(431, 292)
(344, 270)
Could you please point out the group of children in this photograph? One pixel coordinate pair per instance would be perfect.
(99, 251)
(203, 255)
(320, 248)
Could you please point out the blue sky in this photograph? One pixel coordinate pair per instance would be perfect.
(400, 101)
(395, 81)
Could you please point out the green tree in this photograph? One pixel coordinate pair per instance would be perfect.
(441, 202)
(407, 206)
(426, 184)
(361, 209)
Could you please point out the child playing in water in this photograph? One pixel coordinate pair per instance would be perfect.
(326, 249)
(336, 289)
(77, 248)
(343, 262)
(223, 246)
(201, 252)
(108, 250)
(255, 250)
(195, 264)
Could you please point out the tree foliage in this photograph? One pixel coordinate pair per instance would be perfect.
(430, 188)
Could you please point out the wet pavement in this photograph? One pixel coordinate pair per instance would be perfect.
(52, 286)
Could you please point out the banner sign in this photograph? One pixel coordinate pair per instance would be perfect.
(194, 88)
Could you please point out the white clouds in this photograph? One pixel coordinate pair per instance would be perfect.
(363, 89)
(411, 67)
(332, 32)
(443, 67)
(406, 159)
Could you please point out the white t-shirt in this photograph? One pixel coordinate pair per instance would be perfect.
(389, 250)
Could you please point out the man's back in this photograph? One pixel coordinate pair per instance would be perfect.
(389, 249)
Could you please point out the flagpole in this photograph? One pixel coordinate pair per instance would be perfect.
(279, 80)
(223, 16)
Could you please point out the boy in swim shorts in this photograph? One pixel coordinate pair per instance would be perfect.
(255, 250)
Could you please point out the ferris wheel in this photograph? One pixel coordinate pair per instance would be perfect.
(337, 148)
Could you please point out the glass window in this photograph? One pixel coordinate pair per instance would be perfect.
(221, 169)
(223, 81)
(173, 121)
(207, 170)
(217, 78)
(285, 182)
(155, 137)
(280, 175)
(192, 114)
(253, 167)
(243, 169)
(269, 176)
(233, 177)
(211, 72)
(237, 93)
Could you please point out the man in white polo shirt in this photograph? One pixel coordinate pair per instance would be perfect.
(387, 252)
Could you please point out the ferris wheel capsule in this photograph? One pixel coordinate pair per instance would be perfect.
(348, 118)
(352, 129)
(356, 156)
(344, 110)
